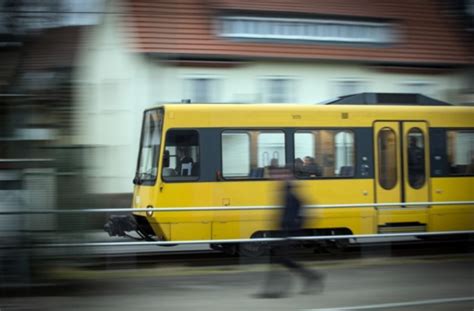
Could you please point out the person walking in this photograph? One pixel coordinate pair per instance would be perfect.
(291, 225)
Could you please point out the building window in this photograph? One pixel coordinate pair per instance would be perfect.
(277, 90)
(305, 29)
(418, 87)
(348, 87)
(251, 154)
(324, 153)
(461, 152)
(201, 89)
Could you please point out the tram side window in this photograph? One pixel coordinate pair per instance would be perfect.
(460, 145)
(324, 153)
(181, 157)
(235, 154)
(251, 154)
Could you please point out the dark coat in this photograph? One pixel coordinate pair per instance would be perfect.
(291, 218)
(311, 170)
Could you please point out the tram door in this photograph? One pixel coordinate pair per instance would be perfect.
(401, 161)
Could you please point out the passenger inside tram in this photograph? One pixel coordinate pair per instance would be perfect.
(185, 162)
(470, 167)
(416, 163)
(310, 168)
(273, 165)
(299, 166)
(181, 155)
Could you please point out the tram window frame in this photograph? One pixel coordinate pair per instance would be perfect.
(450, 145)
(195, 153)
(416, 181)
(329, 159)
(255, 172)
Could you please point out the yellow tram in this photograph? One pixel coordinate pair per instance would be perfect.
(203, 155)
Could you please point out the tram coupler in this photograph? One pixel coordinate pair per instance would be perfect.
(119, 225)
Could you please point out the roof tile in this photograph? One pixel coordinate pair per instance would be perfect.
(187, 28)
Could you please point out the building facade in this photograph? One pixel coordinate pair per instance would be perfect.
(236, 51)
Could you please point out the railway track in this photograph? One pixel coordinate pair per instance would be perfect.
(202, 258)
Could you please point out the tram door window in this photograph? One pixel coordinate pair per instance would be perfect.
(250, 154)
(387, 155)
(181, 157)
(460, 147)
(324, 153)
(416, 158)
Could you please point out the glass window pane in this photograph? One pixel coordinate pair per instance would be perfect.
(296, 29)
(235, 154)
(387, 154)
(271, 149)
(150, 146)
(460, 152)
(181, 157)
(347, 87)
(251, 154)
(324, 153)
(201, 90)
(324, 158)
(304, 144)
(344, 154)
(278, 90)
(416, 158)
(304, 148)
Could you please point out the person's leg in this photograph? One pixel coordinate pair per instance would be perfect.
(275, 284)
(313, 280)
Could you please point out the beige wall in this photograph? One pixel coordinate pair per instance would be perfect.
(113, 89)
(313, 81)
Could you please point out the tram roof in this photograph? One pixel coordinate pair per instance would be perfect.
(358, 99)
(405, 99)
(311, 115)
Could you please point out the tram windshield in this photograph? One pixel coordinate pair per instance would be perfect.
(149, 147)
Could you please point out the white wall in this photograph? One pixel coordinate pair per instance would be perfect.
(113, 89)
(313, 81)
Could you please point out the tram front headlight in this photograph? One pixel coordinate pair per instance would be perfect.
(149, 213)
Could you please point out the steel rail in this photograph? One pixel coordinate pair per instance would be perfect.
(256, 240)
(227, 208)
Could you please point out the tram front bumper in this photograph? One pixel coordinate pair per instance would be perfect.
(119, 225)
